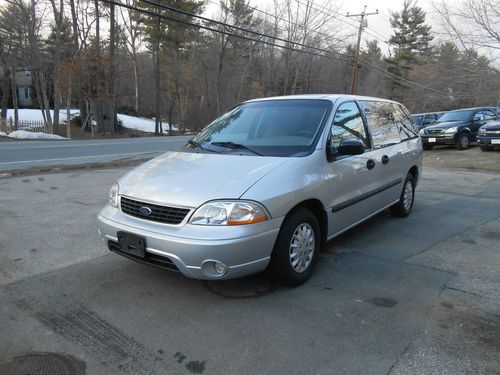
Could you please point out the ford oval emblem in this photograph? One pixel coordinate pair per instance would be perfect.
(145, 211)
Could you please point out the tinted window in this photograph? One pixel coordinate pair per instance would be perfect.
(381, 122)
(406, 128)
(489, 115)
(270, 127)
(457, 116)
(347, 124)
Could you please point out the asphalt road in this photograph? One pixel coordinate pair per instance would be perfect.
(29, 154)
(419, 295)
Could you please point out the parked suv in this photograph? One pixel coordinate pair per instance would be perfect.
(266, 185)
(458, 128)
(489, 136)
(423, 120)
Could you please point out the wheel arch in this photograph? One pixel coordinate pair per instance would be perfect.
(317, 208)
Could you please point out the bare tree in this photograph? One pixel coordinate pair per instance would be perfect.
(471, 23)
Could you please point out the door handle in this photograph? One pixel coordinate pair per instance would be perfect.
(385, 159)
(370, 164)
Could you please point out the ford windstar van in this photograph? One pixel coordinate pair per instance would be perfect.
(266, 185)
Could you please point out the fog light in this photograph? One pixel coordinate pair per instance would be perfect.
(214, 268)
(220, 268)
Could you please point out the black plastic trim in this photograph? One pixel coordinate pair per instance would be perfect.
(366, 195)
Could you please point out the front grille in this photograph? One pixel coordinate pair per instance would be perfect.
(491, 132)
(161, 214)
(433, 131)
(154, 259)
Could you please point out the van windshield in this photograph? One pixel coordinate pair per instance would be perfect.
(267, 128)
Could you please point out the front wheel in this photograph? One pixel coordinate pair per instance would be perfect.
(406, 199)
(463, 142)
(296, 249)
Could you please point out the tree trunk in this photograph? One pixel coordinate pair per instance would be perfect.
(5, 97)
(14, 98)
(112, 122)
(68, 110)
(157, 78)
(136, 83)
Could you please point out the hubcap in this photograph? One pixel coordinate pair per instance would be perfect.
(465, 141)
(302, 248)
(408, 196)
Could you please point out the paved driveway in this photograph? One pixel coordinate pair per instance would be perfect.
(401, 296)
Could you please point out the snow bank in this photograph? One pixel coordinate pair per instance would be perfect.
(130, 122)
(21, 134)
(36, 114)
(143, 124)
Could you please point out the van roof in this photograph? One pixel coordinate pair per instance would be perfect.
(331, 97)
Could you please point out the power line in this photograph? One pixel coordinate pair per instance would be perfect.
(307, 49)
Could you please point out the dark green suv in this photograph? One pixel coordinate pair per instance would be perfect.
(457, 128)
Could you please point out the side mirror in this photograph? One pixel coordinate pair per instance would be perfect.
(351, 147)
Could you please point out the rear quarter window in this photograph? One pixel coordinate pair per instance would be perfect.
(382, 122)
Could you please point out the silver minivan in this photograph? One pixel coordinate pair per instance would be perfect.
(265, 186)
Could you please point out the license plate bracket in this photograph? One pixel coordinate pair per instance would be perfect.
(132, 244)
(495, 141)
(431, 140)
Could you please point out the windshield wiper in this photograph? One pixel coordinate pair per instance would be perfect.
(197, 145)
(235, 146)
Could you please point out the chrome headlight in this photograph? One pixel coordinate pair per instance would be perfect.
(113, 195)
(229, 213)
(482, 130)
(421, 131)
(451, 130)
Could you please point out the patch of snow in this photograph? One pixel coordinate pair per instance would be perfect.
(2, 134)
(130, 122)
(21, 134)
(36, 115)
(143, 124)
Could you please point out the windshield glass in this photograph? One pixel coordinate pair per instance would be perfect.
(268, 128)
(456, 116)
(417, 118)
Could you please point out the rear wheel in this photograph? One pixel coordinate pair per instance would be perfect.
(463, 141)
(296, 250)
(406, 199)
(427, 147)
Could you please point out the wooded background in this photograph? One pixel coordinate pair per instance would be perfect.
(166, 59)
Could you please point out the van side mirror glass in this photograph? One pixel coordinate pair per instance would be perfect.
(351, 147)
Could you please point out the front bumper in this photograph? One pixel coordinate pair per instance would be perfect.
(438, 139)
(492, 141)
(244, 249)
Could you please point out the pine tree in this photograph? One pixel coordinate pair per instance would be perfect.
(411, 43)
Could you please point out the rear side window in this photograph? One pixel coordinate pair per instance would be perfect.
(347, 124)
(405, 125)
(381, 120)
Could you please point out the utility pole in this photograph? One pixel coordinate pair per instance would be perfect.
(362, 24)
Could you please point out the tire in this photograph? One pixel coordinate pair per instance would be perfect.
(300, 222)
(427, 147)
(463, 141)
(484, 148)
(403, 207)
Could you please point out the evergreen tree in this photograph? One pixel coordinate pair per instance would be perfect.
(411, 43)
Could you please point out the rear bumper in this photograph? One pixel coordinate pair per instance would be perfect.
(184, 247)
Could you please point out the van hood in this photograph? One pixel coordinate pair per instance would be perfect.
(191, 179)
